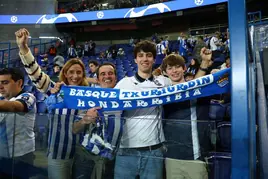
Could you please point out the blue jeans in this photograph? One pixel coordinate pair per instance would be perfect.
(148, 164)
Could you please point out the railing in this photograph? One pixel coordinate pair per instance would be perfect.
(210, 29)
(9, 54)
(259, 44)
(26, 156)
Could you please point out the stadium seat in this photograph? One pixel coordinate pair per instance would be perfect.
(119, 68)
(131, 68)
(119, 78)
(50, 72)
(219, 165)
(50, 59)
(113, 61)
(118, 61)
(135, 68)
(39, 96)
(126, 65)
(85, 58)
(41, 107)
(130, 73)
(28, 88)
(224, 136)
(121, 73)
(26, 80)
(217, 111)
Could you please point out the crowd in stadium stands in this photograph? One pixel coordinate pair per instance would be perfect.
(95, 5)
(150, 147)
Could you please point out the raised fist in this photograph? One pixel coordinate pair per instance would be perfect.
(22, 37)
(206, 54)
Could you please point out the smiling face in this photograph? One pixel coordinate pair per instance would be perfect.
(174, 67)
(145, 61)
(107, 76)
(74, 75)
(175, 73)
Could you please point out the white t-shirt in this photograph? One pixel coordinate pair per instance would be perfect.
(213, 42)
(22, 124)
(143, 127)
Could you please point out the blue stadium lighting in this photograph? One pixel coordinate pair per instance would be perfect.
(106, 14)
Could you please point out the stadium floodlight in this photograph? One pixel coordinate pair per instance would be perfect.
(50, 37)
(47, 37)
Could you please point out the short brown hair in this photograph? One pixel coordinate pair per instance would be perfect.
(68, 65)
(146, 46)
(172, 60)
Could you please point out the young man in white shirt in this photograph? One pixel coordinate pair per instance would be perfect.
(141, 149)
(17, 117)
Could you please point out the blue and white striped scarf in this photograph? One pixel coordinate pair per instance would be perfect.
(104, 138)
(83, 98)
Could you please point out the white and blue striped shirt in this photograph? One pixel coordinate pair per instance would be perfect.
(61, 140)
(165, 43)
(160, 49)
(17, 129)
(160, 53)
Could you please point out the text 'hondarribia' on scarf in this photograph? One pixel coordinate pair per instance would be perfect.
(81, 97)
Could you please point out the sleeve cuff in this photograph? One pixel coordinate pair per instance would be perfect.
(24, 104)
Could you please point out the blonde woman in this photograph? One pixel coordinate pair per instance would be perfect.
(61, 141)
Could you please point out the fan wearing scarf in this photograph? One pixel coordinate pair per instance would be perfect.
(141, 147)
(61, 140)
(103, 132)
(186, 149)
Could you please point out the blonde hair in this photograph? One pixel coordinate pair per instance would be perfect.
(68, 65)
